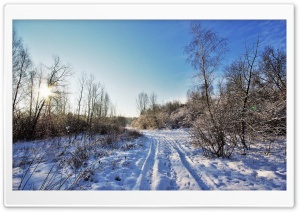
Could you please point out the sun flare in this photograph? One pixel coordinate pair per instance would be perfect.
(45, 91)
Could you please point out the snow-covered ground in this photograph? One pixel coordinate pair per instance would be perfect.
(159, 160)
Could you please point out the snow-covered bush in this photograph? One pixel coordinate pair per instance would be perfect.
(213, 139)
(146, 121)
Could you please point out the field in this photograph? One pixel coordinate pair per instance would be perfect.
(157, 160)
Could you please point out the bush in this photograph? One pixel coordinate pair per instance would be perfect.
(79, 157)
(216, 139)
(133, 134)
(146, 121)
(213, 142)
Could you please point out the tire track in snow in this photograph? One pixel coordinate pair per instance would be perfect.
(168, 167)
(169, 170)
(205, 184)
(189, 168)
(142, 182)
(164, 177)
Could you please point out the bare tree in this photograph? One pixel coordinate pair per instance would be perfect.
(97, 102)
(273, 65)
(16, 45)
(240, 76)
(142, 102)
(90, 84)
(113, 111)
(205, 53)
(106, 104)
(82, 83)
(268, 118)
(56, 83)
(31, 86)
(61, 102)
(56, 78)
(250, 58)
(100, 103)
(153, 102)
(21, 65)
(96, 87)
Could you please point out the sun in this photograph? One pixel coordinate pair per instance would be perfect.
(45, 91)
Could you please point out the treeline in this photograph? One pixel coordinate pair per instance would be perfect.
(159, 116)
(231, 106)
(41, 100)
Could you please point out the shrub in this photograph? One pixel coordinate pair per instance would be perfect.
(214, 138)
(79, 157)
(132, 134)
(146, 121)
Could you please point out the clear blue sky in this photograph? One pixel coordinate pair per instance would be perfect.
(129, 56)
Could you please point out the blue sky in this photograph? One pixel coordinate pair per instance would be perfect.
(131, 56)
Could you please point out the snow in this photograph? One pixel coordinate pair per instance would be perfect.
(159, 160)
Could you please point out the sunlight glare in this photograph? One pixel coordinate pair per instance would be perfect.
(45, 91)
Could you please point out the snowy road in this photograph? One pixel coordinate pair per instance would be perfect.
(168, 166)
